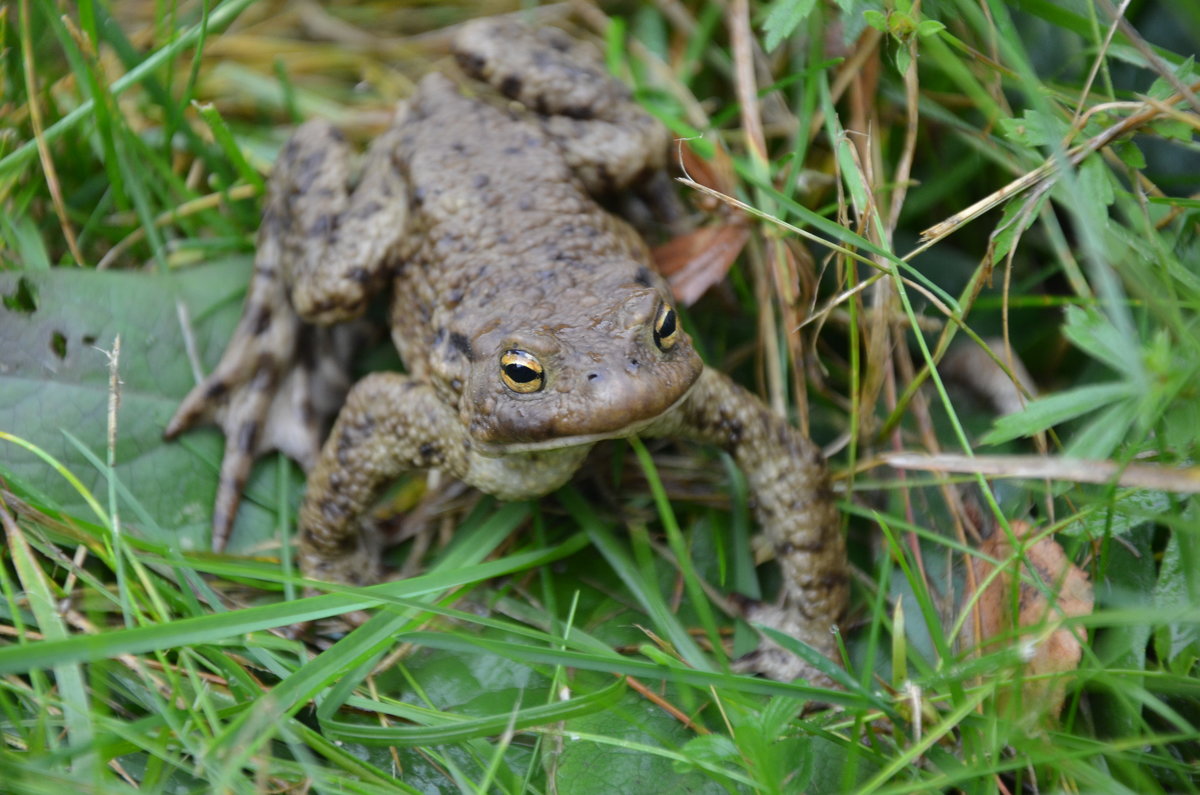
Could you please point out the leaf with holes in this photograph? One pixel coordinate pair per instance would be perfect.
(56, 328)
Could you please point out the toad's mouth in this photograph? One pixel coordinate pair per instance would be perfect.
(498, 449)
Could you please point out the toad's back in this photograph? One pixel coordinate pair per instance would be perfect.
(509, 238)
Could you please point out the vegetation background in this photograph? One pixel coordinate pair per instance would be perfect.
(921, 196)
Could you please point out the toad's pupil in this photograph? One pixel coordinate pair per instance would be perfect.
(520, 373)
(667, 327)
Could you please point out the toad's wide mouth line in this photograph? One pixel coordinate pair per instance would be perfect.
(561, 442)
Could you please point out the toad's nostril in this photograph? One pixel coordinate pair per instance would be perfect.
(593, 376)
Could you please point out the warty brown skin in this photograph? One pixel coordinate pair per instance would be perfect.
(481, 220)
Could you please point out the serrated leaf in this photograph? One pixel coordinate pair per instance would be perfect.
(1094, 189)
(1018, 216)
(1046, 412)
(1173, 129)
(1095, 335)
(715, 749)
(1035, 129)
(783, 17)
(1130, 154)
(1104, 433)
(1162, 88)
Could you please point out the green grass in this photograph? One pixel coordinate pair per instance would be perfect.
(554, 646)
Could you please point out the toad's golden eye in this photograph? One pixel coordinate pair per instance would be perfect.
(521, 371)
(666, 328)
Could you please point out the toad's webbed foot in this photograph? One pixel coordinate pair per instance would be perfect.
(320, 255)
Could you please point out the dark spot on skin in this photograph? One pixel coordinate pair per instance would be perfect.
(513, 150)
(247, 436)
(58, 344)
(511, 86)
(428, 451)
(525, 203)
(89, 339)
(322, 226)
(461, 344)
(480, 181)
(215, 390)
(418, 196)
(471, 63)
(605, 177)
(359, 275)
(262, 319)
(642, 277)
(336, 134)
(353, 435)
(458, 147)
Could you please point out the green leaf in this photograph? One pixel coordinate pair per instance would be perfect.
(1178, 586)
(1097, 336)
(1104, 433)
(614, 751)
(929, 27)
(1127, 511)
(715, 749)
(1046, 412)
(56, 378)
(783, 17)
(1035, 129)
(1018, 216)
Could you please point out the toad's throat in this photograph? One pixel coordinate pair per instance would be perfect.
(578, 440)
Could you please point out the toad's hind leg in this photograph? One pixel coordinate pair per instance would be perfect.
(390, 424)
(605, 137)
(321, 252)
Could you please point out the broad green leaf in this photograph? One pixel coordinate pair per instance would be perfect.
(1178, 586)
(55, 378)
(1127, 510)
(587, 767)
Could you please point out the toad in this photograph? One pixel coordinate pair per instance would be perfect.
(529, 320)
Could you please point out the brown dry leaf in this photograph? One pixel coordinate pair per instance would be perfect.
(696, 261)
(717, 173)
(1049, 648)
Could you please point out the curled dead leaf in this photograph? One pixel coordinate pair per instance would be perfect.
(696, 261)
(1048, 648)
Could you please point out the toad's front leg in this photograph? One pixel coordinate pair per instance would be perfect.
(390, 424)
(792, 502)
